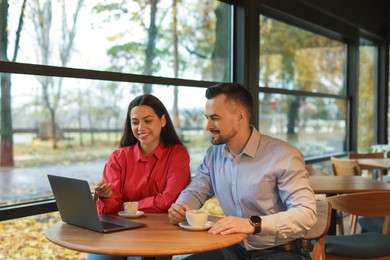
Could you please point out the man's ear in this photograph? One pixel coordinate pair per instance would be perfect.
(241, 114)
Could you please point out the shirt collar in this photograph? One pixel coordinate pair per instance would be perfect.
(250, 148)
(156, 153)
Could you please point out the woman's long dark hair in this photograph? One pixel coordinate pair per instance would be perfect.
(168, 133)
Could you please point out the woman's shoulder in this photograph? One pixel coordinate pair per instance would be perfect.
(123, 151)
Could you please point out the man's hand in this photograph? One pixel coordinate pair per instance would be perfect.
(103, 189)
(231, 225)
(177, 213)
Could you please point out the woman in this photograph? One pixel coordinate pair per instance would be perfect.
(151, 166)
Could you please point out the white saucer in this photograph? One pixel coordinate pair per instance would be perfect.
(125, 215)
(187, 226)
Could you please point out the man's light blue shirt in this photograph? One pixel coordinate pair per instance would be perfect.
(268, 179)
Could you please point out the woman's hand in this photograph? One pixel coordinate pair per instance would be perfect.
(103, 189)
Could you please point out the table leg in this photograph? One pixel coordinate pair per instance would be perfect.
(333, 223)
(380, 174)
(333, 219)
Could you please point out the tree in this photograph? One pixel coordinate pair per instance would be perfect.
(7, 152)
(41, 16)
(286, 61)
(125, 55)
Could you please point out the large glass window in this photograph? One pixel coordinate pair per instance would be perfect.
(316, 126)
(69, 125)
(89, 119)
(368, 54)
(186, 39)
(306, 72)
(296, 59)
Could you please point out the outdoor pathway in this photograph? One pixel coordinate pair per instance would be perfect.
(29, 183)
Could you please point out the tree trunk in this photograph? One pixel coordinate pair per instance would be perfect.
(151, 45)
(176, 120)
(221, 53)
(7, 150)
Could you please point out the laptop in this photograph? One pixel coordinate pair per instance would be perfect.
(77, 207)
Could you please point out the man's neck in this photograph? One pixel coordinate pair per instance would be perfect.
(237, 145)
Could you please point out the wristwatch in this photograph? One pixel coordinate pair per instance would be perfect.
(255, 221)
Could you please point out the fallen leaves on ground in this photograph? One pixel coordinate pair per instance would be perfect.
(24, 238)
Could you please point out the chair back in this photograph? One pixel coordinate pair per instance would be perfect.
(353, 155)
(320, 229)
(370, 204)
(345, 167)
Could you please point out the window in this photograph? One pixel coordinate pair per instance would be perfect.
(302, 88)
(368, 53)
(316, 126)
(82, 66)
(191, 39)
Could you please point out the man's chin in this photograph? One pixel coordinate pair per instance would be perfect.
(215, 141)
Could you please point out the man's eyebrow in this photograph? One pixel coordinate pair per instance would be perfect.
(212, 115)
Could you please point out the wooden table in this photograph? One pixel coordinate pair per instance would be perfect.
(158, 238)
(380, 163)
(345, 184)
(333, 185)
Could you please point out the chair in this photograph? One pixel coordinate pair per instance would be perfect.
(353, 155)
(368, 245)
(369, 224)
(346, 167)
(320, 229)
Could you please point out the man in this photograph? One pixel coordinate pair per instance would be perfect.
(260, 182)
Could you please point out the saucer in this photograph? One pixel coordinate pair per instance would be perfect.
(187, 226)
(125, 215)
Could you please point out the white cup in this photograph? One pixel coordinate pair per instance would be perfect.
(197, 217)
(131, 207)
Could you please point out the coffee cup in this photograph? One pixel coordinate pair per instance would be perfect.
(197, 217)
(131, 207)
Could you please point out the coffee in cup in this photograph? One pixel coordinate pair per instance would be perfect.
(131, 207)
(197, 217)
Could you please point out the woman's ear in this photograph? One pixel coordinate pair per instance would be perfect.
(163, 120)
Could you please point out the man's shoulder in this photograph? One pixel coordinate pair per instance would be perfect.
(277, 144)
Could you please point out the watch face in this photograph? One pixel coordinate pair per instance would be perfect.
(255, 219)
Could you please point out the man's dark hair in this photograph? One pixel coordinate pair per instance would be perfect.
(234, 93)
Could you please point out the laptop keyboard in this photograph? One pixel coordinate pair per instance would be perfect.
(109, 225)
